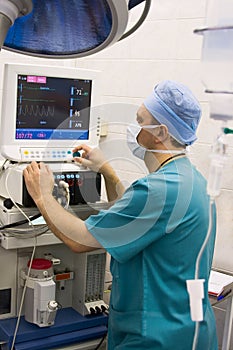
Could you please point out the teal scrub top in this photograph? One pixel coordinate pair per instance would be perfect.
(154, 234)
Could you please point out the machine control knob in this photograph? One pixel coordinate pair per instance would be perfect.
(76, 154)
(92, 310)
(8, 203)
(98, 310)
(52, 305)
(103, 308)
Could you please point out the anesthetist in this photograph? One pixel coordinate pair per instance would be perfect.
(153, 230)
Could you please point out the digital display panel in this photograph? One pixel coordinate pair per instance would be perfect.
(52, 108)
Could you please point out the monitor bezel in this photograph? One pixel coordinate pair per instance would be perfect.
(10, 148)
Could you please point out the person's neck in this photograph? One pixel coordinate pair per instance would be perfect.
(155, 161)
(170, 159)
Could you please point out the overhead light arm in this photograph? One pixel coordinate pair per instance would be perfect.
(9, 11)
(141, 19)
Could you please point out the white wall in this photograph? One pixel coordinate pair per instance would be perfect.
(163, 48)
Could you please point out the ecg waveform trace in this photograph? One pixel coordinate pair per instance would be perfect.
(36, 110)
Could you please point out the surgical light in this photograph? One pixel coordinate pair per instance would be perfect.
(64, 29)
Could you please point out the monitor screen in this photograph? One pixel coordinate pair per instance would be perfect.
(52, 108)
(47, 111)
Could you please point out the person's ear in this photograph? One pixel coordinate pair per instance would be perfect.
(162, 134)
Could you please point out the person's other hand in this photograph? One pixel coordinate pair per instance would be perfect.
(91, 158)
(39, 180)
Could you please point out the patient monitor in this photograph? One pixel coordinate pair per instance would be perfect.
(46, 112)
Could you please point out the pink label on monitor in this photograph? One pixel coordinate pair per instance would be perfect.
(31, 79)
(41, 80)
(36, 79)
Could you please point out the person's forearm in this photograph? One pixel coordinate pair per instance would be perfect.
(67, 227)
(94, 160)
(113, 185)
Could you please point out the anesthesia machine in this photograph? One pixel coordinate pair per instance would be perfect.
(46, 289)
(51, 297)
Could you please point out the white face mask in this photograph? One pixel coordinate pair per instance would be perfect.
(138, 150)
(132, 133)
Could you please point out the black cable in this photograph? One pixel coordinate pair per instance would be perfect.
(101, 342)
(21, 222)
(139, 22)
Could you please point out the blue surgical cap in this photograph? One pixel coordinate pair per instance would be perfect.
(174, 105)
